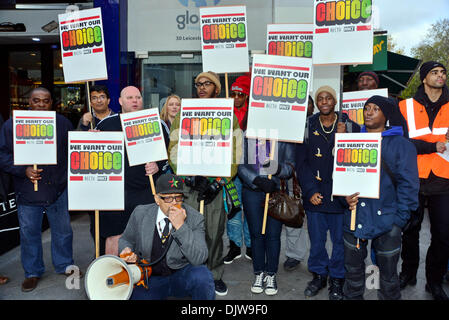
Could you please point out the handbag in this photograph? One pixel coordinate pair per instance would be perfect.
(285, 208)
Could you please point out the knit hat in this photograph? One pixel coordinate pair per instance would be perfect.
(242, 84)
(426, 67)
(371, 74)
(328, 90)
(212, 76)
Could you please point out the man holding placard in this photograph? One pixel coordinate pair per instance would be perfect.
(209, 189)
(100, 100)
(315, 165)
(381, 220)
(137, 185)
(50, 198)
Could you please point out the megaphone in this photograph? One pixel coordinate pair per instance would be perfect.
(111, 278)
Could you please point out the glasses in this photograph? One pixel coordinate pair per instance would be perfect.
(169, 199)
(203, 84)
(239, 94)
(98, 98)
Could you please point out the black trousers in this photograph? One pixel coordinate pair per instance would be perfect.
(387, 248)
(438, 252)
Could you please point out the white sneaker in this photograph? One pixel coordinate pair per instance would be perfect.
(271, 287)
(257, 286)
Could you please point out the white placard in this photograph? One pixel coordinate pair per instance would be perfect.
(205, 137)
(144, 139)
(357, 164)
(96, 170)
(354, 101)
(224, 39)
(34, 137)
(278, 98)
(82, 45)
(290, 40)
(343, 32)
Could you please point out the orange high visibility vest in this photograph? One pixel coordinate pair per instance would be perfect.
(418, 128)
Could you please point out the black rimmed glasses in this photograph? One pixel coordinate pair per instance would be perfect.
(169, 199)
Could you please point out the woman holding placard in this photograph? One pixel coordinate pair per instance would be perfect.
(254, 173)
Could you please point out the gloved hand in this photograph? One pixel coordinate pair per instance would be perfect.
(272, 167)
(198, 183)
(265, 184)
(209, 193)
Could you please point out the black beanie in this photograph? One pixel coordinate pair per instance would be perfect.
(387, 105)
(427, 66)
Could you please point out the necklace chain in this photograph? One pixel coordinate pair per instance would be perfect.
(333, 124)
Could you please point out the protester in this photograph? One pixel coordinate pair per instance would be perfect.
(381, 220)
(427, 115)
(367, 80)
(315, 161)
(181, 272)
(50, 198)
(295, 241)
(209, 189)
(237, 226)
(99, 100)
(169, 111)
(254, 173)
(137, 184)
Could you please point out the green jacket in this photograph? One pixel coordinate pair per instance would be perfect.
(237, 140)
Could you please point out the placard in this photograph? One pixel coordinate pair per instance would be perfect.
(357, 164)
(205, 137)
(34, 137)
(290, 40)
(82, 45)
(354, 101)
(279, 97)
(224, 39)
(96, 170)
(343, 32)
(144, 139)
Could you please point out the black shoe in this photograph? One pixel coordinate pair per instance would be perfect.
(235, 252)
(313, 287)
(291, 264)
(406, 279)
(336, 288)
(249, 253)
(437, 291)
(220, 288)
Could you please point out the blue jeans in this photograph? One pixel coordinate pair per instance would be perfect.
(30, 222)
(318, 224)
(236, 228)
(266, 247)
(193, 281)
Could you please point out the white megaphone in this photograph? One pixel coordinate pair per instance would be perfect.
(111, 278)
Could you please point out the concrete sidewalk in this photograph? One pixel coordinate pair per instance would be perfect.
(238, 275)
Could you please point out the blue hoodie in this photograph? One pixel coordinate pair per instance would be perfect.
(375, 217)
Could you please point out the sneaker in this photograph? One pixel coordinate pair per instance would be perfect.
(271, 287)
(336, 288)
(235, 252)
(257, 286)
(249, 254)
(220, 288)
(313, 287)
(291, 264)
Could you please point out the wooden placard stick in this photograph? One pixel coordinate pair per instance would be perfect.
(267, 196)
(35, 181)
(353, 214)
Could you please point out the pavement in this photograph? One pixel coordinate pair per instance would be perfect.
(238, 275)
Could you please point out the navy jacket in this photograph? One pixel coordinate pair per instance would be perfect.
(54, 177)
(311, 163)
(247, 172)
(377, 216)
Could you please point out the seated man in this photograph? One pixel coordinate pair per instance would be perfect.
(182, 271)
